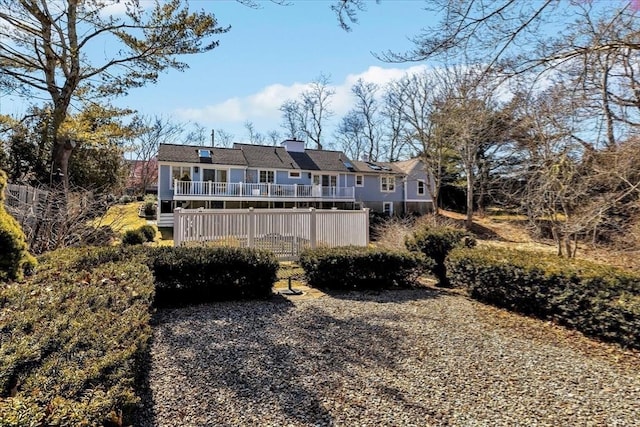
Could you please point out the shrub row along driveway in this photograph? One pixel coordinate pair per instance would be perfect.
(416, 357)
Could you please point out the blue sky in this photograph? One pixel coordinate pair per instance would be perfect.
(269, 56)
(271, 53)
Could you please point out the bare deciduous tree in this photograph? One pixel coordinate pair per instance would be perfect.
(308, 115)
(151, 132)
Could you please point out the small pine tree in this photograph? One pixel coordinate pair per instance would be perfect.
(15, 258)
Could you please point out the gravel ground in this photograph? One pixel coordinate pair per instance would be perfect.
(397, 358)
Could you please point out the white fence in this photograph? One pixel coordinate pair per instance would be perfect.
(286, 232)
(23, 199)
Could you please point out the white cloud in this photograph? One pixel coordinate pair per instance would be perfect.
(229, 111)
(263, 106)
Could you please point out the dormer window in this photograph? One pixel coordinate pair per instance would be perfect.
(204, 154)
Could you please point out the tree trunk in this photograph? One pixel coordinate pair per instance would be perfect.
(63, 148)
(468, 223)
(435, 200)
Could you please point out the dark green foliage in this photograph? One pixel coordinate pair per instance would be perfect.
(89, 258)
(133, 237)
(150, 209)
(125, 199)
(436, 243)
(71, 340)
(15, 258)
(149, 232)
(355, 267)
(193, 275)
(598, 300)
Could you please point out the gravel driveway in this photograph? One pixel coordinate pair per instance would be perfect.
(397, 358)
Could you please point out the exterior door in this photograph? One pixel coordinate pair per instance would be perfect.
(387, 207)
(325, 180)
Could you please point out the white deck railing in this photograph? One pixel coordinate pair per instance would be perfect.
(286, 232)
(262, 190)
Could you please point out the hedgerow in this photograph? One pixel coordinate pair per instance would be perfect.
(188, 275)
(71, 342)
(354, 267)
(598, 300)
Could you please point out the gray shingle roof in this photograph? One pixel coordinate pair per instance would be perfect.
(262, 156)
(321, 160)
(383, 168)
(189, 154)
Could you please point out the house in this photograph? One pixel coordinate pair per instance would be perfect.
(285, 176)
(142, 176)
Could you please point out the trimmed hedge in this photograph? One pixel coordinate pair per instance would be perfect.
(354, 267)
(73, 337)
(436, 243)
(193, 275)
(599, 300)
(71, 342)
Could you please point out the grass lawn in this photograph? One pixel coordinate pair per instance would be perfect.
(125, 217)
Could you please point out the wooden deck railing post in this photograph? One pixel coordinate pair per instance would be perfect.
(251, 227)
(177, 227)
(312, 227)
(366, 228)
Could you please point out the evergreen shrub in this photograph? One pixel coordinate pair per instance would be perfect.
(133, 237)
(436, 243)
(193, 275)
(149, 232)
(598, 300)
(72, 341)
(353, 267)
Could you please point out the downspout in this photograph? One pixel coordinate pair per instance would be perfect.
(404, 193)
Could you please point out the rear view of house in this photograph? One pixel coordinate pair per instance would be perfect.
(286, 176)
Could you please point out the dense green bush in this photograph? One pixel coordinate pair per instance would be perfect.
(126, 199)
(598, 300)
(355, 267)
(15, 258)
(133, 237)
(148, 232)
(187, 275)
(71, 341)
(150, 209)
(436, 243)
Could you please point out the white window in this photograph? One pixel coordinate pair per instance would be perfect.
(215, 175)
(267, 176)
(181, 173)
(294, 174)
(359, 181)
(387, 184)
(421, 188)
(387, 208)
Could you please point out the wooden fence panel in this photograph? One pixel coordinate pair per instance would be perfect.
(286, 232)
